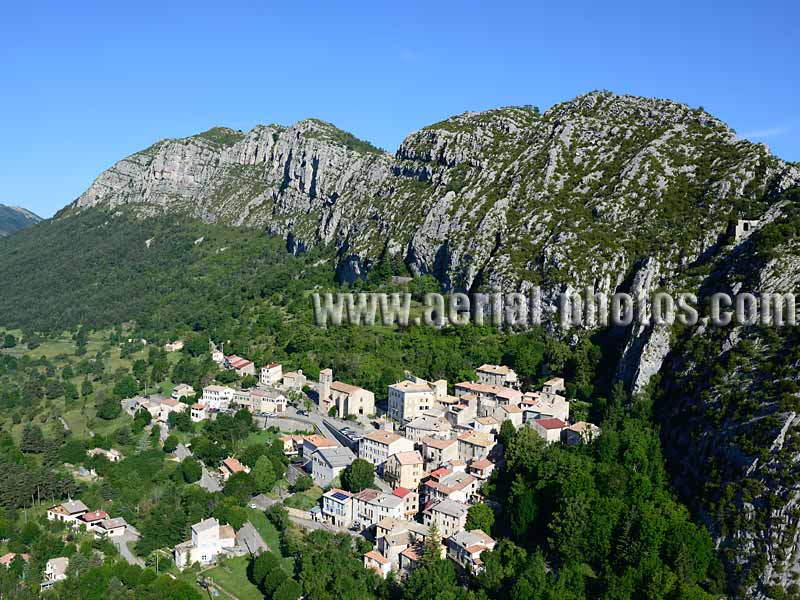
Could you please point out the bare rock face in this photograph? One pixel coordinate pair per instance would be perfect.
(505, 198)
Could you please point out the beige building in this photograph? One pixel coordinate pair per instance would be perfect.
(348, 400)
(377, 446)
(512, 413)
(404, 469)
(413, 396)
(436, 452)
(473, 445)
(554, 386)
(549, 429)
(580, 433)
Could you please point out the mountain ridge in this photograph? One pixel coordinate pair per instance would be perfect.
(14, 218)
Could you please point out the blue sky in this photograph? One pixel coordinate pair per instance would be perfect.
(83, 85)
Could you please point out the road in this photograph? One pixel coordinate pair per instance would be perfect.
(121, 543)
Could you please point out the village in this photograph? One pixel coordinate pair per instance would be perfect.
(430, 452)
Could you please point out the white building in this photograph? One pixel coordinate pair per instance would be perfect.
(173, 346)
(337, 507)
(370, 506)
(67, 512)
(209, 540)
(445, 484)
(413, 396)
(55, 570)
(271, 374)
(217, 397)
(199, 412)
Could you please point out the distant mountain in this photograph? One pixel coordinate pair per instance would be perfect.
(14, 218)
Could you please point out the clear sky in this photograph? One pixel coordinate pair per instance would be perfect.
(83, 85)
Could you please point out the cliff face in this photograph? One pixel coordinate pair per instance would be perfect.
(730, 413)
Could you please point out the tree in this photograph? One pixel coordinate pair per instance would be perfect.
(262, 565)
(170, 444)
(9, 341)
(263, 474)
(303, 483)
(191, 470)
(359, 475)
(32, 439)
(225, 377)
(86, 387)
(507, 433)
(240, 486)
(109, 409)
(249, 381)
(126, 387)
(73, 451)
(273, 580)
(480, 516)
(182, 421)
(288, 590)
(141, 419)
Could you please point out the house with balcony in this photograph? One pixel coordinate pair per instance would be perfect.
(209, 540)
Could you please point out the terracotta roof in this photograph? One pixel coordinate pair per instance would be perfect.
(483, 463)
(383, 437)
(409, 458)
(345, 388)
(97, 515)
(377, 557)
(495, 369)
(7, 559)
(320, 441)
(437, 443)
(550, 423)
(233, 465)
(401, 492)
(198, 406)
